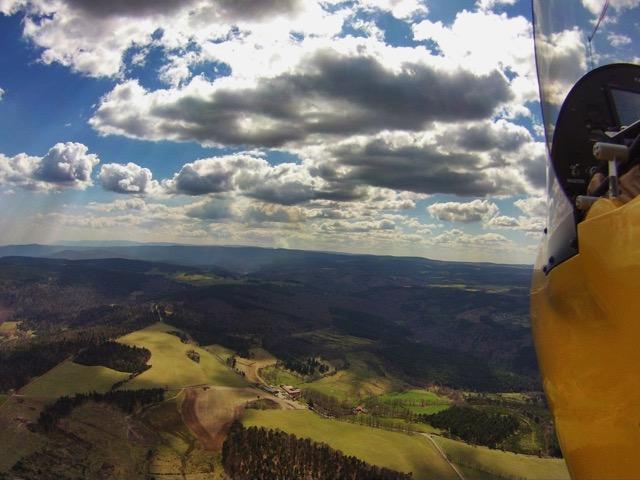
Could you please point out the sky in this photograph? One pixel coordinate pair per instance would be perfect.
(402, 127)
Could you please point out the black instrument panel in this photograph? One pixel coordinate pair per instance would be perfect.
(599, 105)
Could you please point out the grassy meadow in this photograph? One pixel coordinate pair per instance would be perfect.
(170, 366)
(197, 279)
(503, 464)
(418, 401)
(7, 328)
(278, 376)
(365, 377)
(69, 378)
(398, 451)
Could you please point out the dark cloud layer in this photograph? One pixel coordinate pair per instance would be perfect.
(415, 169)
(485, 136)
(229, 9)
(333, 94)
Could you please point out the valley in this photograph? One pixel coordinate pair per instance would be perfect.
(371, 347)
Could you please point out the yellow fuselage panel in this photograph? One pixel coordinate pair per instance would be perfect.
(586, 325)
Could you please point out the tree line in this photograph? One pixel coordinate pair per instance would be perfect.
(306, 367)
(126, 400)
(327, 404)
(474, 425)
(260, 454)
(124, 358)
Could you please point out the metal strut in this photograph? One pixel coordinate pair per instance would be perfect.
(603, 13)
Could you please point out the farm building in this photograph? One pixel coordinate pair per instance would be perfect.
(293, 392)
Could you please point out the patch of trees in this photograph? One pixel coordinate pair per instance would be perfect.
(23, 360)
(327, 404)
(306, 367)
(126, 400)
(256, 453)
(193, 356)
(224, 331)
(474, 425)
(181, 335)
(392, 409)
(381, 422)
(117, 356)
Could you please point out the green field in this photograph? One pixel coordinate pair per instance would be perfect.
(279, 376)
(390, 423)
(398, 451)
(8, 327)
(69, 378)
(503, 464)
(170, 366)
(3, 398)
(197, 279)
(418, 401)
(365, 377)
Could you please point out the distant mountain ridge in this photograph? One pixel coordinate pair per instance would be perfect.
(239, 259)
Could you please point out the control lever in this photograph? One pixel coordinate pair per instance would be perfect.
(611, 153)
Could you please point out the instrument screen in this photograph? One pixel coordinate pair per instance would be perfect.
(627, 106)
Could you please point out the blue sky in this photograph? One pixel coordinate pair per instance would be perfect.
(381, 126)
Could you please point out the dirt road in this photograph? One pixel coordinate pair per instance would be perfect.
(252, 366)
(190, 419)
(444, 455)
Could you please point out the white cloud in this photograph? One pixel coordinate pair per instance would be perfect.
(595, 6)
(129, 178)
(2, 93)
(261, 213)
(456, 238)
(618, 40)
(533, 206)
(502, 221)
(468, 212)
(92, 38)
(491, 4)
(526, 224)
(564, 62)
(483, 41)
(532, 222)
(402, 9)
(214, 175)
(66, 165)
(216, 209)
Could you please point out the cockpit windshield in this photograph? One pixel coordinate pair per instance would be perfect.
(573, 37)
(589, 91)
